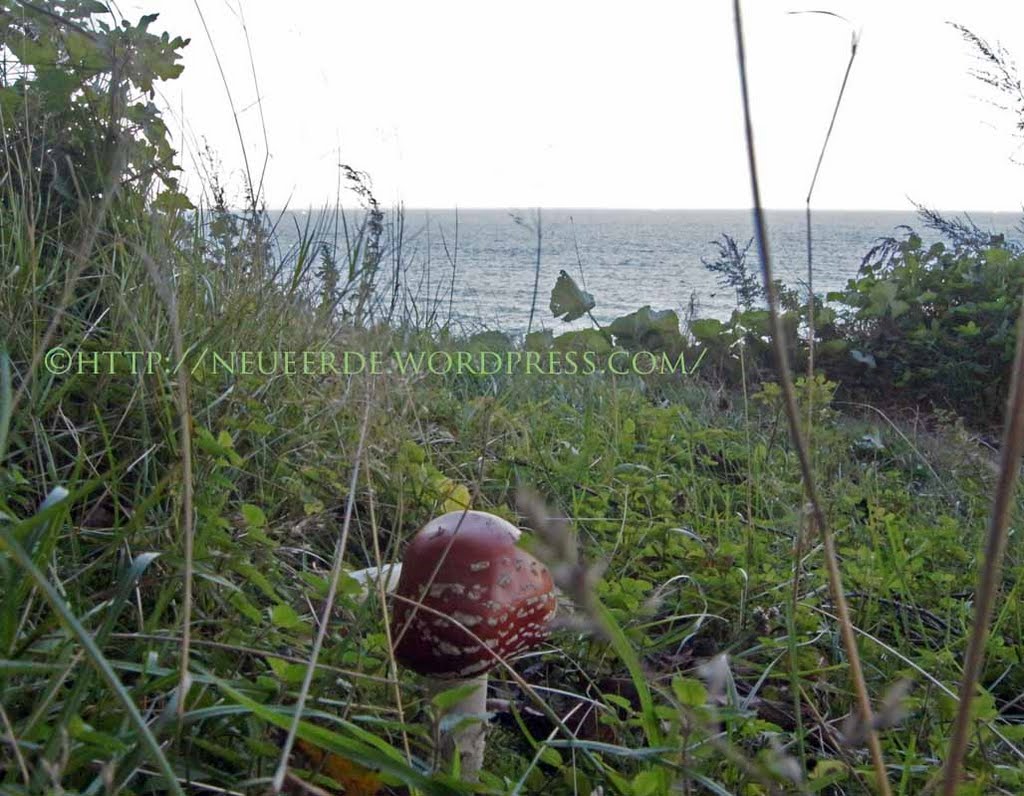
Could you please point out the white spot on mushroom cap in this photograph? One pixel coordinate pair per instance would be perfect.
(438, 590)
(469, 620)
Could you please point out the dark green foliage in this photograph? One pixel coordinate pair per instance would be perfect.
(922, 326)
(934, 326)
(76, 105)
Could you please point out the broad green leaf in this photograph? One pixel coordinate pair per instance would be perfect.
(568, 302)
(618, 701)
(825, 773)
(706, 329)
(172, 201)
(283, 615)
(648, 329)
(583, 340)
(649, 783)
(244, 607)
(286, 671)
(551, 757)
(539, 341)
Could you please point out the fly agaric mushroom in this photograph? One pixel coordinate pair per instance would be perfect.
(466, 569)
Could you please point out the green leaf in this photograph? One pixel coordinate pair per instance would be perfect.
(618, 701)
(832, 347)
(706, 329)
(539, 341)
(285, 616)
(690, 693)
(648, 329)
(286, 671)
(256, 578)
(826, 773)
(254, 516)
(450, 697)
(568, 302)
(348, 586)
(648, 783)
(583, 340)
(172, 201)
(245, 607)
(86, 733)
(319, 584)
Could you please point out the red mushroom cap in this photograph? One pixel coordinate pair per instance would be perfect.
(465, 565)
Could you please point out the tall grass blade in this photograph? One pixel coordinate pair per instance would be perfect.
(9, 543)
(125, 586)
(371, 754)
(6, 401)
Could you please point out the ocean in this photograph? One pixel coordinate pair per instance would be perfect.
(484, 279)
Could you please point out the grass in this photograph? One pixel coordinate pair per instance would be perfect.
(693, 511)
(176, 614)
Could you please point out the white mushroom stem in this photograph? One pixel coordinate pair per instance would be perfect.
(469, 739)
(456, 734)
(368, 578)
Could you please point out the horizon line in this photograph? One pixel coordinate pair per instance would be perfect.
(561, 208)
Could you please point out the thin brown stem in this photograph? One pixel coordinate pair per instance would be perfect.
(328, 608)
(12, 740)
(168, 294)
(382, 594)
(792, 415)
(810, 259)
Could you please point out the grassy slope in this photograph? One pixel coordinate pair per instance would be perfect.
(693, 509)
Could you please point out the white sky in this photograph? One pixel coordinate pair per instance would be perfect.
(560, 103)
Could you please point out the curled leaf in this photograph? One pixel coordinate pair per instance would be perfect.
(568, 302)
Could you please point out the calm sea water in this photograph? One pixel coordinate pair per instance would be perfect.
(625, 258)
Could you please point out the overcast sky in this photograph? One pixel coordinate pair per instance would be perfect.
(559, 103)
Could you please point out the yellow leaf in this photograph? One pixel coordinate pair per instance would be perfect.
(352, 778)
(456, 496)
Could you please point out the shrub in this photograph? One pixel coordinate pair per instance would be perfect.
(932, 325)
(76, 106)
